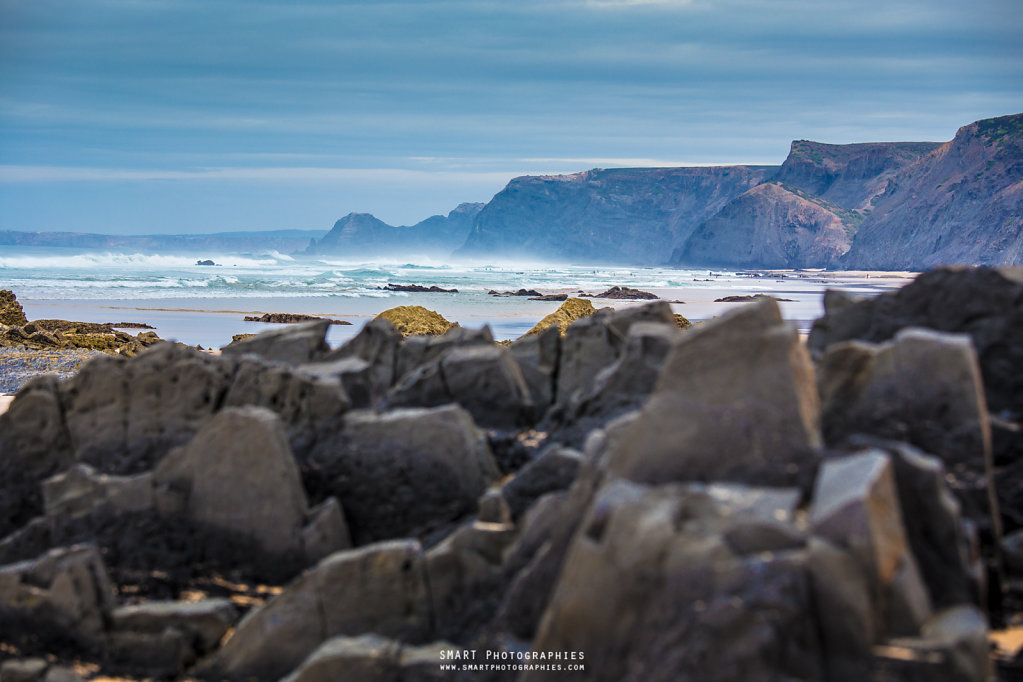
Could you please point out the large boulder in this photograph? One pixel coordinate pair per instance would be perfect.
(124, 415)
(11, 312)
(537, 358)
(735, 400)
(412, 320)
(377, 345)
(483, 379)
(404, 471)
(984, 303)
(291, 345)
(420, 350)
(35, 443)
(64, 595)
(238, 475)
(679, 583)
(372, 658)
(856, 507)
(379, 589)
(568, 312)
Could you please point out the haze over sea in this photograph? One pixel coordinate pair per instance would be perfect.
(205, 305)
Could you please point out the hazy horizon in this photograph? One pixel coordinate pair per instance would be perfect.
(191, 117)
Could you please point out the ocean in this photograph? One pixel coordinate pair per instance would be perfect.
(205, 305)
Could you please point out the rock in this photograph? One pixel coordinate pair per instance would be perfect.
(550, 297)
(379, 588)
(412, 320)
(123, 416)
(953, 647)
(11, 312)
(305, 401)
(23, 670)
(419, 288)
(205, 262)
(493, 508)
(377, 344)
(326, 531)
(682, 322)
(64, 594)
(537, 358)
(405, 471)
(520, 292)
(294, 345)
(923, 387)
(570, 311)
(160, 655)
(80, 490)
(747, 298)
(202, 622)
(238, 475)
(290, 318)
(485, 380)
(984, 303)
(357, 378)
(625, 293)
(623, 385)
(464, 574)
(35, 443)
(417, 351)
(735, 401)
(237, 338)
(856, 507)
(555, 469)
(672, 593)
(371, 658)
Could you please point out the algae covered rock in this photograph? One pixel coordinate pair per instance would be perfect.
(11, 313)
(570, 311)
(411, 320)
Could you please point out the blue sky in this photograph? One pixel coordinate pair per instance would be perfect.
(139, 116)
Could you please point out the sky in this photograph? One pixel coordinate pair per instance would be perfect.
(179, 116)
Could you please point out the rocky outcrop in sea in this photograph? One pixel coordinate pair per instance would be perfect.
(619, 498)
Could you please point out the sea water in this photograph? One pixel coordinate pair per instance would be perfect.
(203, 304)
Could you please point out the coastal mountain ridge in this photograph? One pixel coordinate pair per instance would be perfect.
(875, 205)
(362, 234)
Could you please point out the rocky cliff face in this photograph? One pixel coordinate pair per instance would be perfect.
(772, 225)
(962, 203)
(849, 175)
(361, 234)
(616, 215)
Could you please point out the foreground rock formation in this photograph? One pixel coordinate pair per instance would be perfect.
(621, 501)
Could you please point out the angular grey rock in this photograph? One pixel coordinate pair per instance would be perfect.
(377, 344)
(35, 444)
(380, 588)
(420, 350)
(238, 475)
(672, 593)
(589, 345)
(356, 376)
(953, 647)
(464, 574)
(555, 469)
(66, 589)
(326, 532)
(483, 379)
(125, 415)
(404, 471)
(204, 622)
(856, 507)
(371, 658)
(23, 670)
(305, 402)
(736, 400)
(81, 490)
(294, 344)
(537, 358)
(923, 387)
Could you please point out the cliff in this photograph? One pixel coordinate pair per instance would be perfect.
(962, 203)
(772, 225)
(361, 234)
(624, 215)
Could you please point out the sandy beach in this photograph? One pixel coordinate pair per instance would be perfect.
(211, 322)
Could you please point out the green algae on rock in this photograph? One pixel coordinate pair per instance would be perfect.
(570, 311)
(415, 320)
(11, 313)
